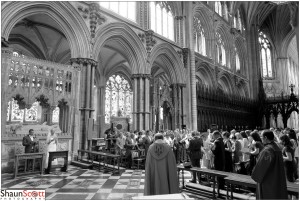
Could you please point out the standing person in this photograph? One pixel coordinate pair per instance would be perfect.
(255, 148)
(160, 170)
(218, 150)
(29, 142)
(288, 157)
(146, 141)
(269, 171)
(245, 144)
(228, 152)
(293, 137)
(195, 146)
(51, 143)
(236, 150)
(129, 145)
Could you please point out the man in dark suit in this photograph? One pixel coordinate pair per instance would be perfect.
(218, 149)
(29, 142)
(195, 153)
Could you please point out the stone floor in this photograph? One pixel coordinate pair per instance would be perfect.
(83, 184)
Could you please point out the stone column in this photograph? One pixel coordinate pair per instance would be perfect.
(283, 74)
(85, 94)
(142, 102)
(135, 102)
(147, 102)
(189, 39)
(101, 110)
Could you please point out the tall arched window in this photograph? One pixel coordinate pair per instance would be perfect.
(265, 55)
(237, 61)
(125, 9)
(237, 21)
(225, 11)
(221, 54)
(200, 43)
(162, 19)
(218, 7)
(118, 98)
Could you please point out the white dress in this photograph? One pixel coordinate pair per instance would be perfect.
(50, 147)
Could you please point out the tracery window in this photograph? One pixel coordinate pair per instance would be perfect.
(125, 9)
(16, 114)
(218, 7)
(200, 44)
(265, 55)
(162, 19)
(221, 54)
(237, 21)
(118, 98)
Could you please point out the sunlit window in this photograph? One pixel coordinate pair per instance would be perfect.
(265, 56)
(16, 114)
(125, 9)
(200, 43)
(221, 54)
(162, 19)
(237, 62)
(118, 98)
(218, 7)
(55, 115)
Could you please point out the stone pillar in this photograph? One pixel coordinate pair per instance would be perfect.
(283, 74)
(254, 59)
(101, 110)
(141, 101)
(147, 102)
(189, 39)
(85, 93)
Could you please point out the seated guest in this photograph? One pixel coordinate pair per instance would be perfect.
(269, 171)
(160, 170)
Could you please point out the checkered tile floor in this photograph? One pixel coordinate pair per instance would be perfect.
(83, 184)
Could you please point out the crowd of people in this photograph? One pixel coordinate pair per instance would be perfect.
(234, 151)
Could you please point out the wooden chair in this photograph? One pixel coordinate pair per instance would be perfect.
(140, 159)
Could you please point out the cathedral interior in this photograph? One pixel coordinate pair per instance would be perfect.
(90, 66)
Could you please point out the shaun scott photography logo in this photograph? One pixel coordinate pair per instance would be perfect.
(22, 195)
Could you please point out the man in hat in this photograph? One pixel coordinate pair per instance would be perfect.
(161, 169)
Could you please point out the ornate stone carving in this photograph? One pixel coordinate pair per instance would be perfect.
(179, 53)
(142, 37)
(185, 54)
(84, 61)
(95, 18)
(150, 42)
(84, 11)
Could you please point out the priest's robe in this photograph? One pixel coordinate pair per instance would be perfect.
(269, 174)
(160, 170)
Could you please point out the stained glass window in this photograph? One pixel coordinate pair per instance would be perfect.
(200, 43)
(265, 56)
(55, 116)
(162, 19)
(31, 114)
(125, 9)
(118, 98)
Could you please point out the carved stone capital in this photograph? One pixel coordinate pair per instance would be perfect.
(84, 61)
(146, 76)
